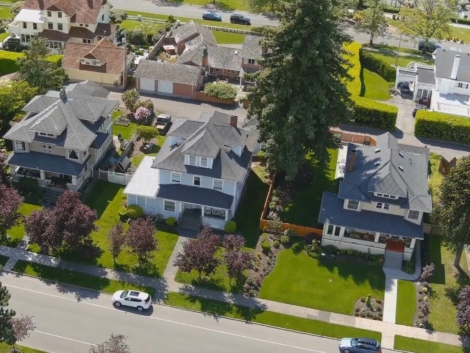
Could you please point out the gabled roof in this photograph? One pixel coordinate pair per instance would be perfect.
(191, 29)
(177, 73)
(251, 47)
(388, 168)
(445, 61)
(218, 57)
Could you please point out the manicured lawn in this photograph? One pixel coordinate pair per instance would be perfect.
(461, 33)
(436, 178)
(305, 207)
(186, 19)
(374, 86)
(3, 36)
(228, 38)
(216, 308)
(406, 303)
(5, 12)
(17, 233)
(421, 346)
(388, 55)
(4, 348)
(126, 131)
(445, 283)
(101, 284)
(131, 24)
(327, 285)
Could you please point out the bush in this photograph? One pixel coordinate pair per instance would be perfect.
(370, 113)
(378, 66)
(276, 244)
(134, 211)
(289, 232)
(55, 59)
(354, 85)
(221, 90)
(147, 132)
(230, 227)
(284, 239)
(170, 221)
(8, 62)
(443, 127)
(27, 186)
(266, 246)
(460, 21)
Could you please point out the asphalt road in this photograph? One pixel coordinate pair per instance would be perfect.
(70, 320)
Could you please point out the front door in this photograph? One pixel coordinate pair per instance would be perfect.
(395, 244)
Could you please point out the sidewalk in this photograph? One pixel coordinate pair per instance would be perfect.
(168, 284)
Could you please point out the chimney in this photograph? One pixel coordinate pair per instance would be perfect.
(62, 94)
(205, 57)
(455, 67)
(352, 158)
(233, 120)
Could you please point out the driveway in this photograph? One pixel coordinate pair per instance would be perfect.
(405, 120)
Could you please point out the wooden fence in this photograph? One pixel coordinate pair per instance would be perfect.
(354, 138)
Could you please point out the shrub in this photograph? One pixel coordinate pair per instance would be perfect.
(134, 211)
(221, 90)
(460, 21)
(284, 239)
(276, 244)
(8, 62)
(443, 127)
(354, 85)
(141, 114)
(370, 113)
(266, 246)
(289, 232)
(27, 186)
(377, 65)
(147, 132)
(170, 221)
(55, 59)
(230, 227)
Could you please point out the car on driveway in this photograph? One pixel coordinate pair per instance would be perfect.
(132, 298)
(428, 46)
(359, 345)
(211, 16)
(240, 19)
(404, 87)
(148, 147)
(419, 107)
(163, 123)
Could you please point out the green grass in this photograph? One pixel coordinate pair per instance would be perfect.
(17, 233)
(126, 131)
(445, 284)
(228, 38)
(5, 12)
(131, 24)
(216, 308)
(406, 303)
(4, 348)
(388, 55)
(54, 274)
(305, 207)
(374, 86)
(3, 36)
(461, 33)
(436, 178)
(422, 346)
(326, 285)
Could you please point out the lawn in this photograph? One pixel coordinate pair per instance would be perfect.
(305, 207)
(327, 285)
(406, 303)
(17, 233)
(445, 283)
(436, 178)
(388, 55)
(461, 33)
(228, 38)
(126, 131)
(5, 12)
(216, 308)
(54, 274)
(3, 36)
(421, 346)
(131, 24)
(4, 348)
(374, 86)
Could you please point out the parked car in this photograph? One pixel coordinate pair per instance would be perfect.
(429, 46)
(419, 107)
(359, 345)
(132, 298)
(240, 19)
(404, 87)
(148, 147)
(163, 123)
(211, 16)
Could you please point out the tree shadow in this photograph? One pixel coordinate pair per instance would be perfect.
(363, 85)
(107, 192)
(462, 280)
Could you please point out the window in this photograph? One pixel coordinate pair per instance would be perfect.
(46, 134)
(25, 25)
(49, 14)
(330, 229)
(81, 24)
(87, 41)
(175, 177)
(251, 61)
(59, 14)
(35, 26)
(20, 146)
(218, 184)
(102, 17)
(99, 37)
(386, 196)
(86, 25)
(73, 154)
(383, 206)
(197, 181)
(214, 212)
(50, 25)
(169, 206)
(203, 162)
(412, 214)
(463, 85)
(192, 160)
(337, 231)
(60, 27)
(353, 205)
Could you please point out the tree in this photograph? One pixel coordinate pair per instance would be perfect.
(452, 214)
(220, 90)
(258, 6)
(463, 308)
(199, 254)
(372, 20)
(40, 230)
(141, 238)
(115, 344)
(141, 114)
(117, 16)
(22, 326)
(428, 19)
(13, 97)
(16, 7)
(300, 93)
(235, 258)
(116, 240)
(233, 242)
(7, 333)
(130, 98)
(35, 70)
(10, 202)
(147, 133)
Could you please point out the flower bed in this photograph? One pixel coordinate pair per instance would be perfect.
(421, 316)
(369, 307)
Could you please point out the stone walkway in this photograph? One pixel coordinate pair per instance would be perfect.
(167, 284)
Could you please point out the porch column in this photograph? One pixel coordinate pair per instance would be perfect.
(341, 231)
(377, 236)
(413, 243)
(43, 174)
(74, 180)
(226, 215)
(202, 211)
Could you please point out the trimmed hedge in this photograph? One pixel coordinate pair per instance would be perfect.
(461, 21)
(8, 61)
(370, 113)
(56, 59)
(378, 66)
(355, 85)
(443, 127)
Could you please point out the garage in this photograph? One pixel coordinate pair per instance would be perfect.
(147, 84)
(165, 87)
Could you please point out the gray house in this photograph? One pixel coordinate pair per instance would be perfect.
(63, 136)
(381, 200)
(199, 174)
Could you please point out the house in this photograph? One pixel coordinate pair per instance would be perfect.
(251, 52)
(103, 62)
(199, 174)
(63, 136)
(381, 201)
(62, 21)
(167, 78)
(191, 36)
(446, 85)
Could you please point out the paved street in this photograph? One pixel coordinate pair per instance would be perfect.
(70, 320)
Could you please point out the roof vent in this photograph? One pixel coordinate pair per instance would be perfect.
(377, 150)
(236, 52)
(377, 163)
(401, 168)
(401, 154)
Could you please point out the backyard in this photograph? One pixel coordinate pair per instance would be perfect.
(328, 285)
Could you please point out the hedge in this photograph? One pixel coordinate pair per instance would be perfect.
(461, 21)
(8, 61)
(378, 66)
(355, 85)
(443, 127)
(368, 112)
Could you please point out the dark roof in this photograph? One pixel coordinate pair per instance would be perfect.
(445, 61)
(192, 29)
(218, 57)
(251, 47)
(426, 76)
(195, 195)
(46, 162)
(332, 211)
(100, 139)
(177, 73)
(88, 88)
(388, 168)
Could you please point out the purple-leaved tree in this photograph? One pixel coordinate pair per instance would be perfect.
(141, 114)
(10, 202)
(116, 240)
(235, 258)
(463, 308)
(115, 344)
(141, 238)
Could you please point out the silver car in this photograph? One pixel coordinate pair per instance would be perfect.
(359, 345)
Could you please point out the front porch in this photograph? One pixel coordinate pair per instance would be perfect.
(48, 179)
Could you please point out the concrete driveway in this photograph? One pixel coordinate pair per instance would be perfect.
(405, 120)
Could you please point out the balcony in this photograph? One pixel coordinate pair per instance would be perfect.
(14, 27)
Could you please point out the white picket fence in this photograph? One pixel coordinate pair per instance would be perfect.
(114, 177)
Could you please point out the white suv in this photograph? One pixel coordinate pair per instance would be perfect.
(132, 298)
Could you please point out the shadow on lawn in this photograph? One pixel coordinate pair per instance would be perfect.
(217, 284)
(106, 191)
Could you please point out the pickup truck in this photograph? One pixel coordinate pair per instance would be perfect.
(163, 123)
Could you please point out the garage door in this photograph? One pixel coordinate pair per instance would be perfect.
(147, 84)
(165, 87)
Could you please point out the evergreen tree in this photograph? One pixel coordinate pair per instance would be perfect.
(7, 332)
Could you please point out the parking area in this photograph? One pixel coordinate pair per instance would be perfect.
(405, 120)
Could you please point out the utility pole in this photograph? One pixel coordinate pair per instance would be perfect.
(398, 52)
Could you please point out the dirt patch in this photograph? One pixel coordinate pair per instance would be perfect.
(369, 307)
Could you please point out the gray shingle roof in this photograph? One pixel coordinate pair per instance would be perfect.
(195, 195)
(212, 138)
(191, 29)
(445, 61)
(251, 47)
(177, 73)
(426, 76)
(332, 210)
(88, 88)
(389, 168)
(218, 57)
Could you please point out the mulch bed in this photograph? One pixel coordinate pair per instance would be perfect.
(373, 310)
(421, 316)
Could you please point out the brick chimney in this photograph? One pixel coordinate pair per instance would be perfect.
(205, 56)
(351, 160)
(233, 120)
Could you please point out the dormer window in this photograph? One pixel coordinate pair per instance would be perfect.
(414, 215)
(353, 205)
(192, 160)
(175, 177)
(386, 196)
(218, 184)
(252, 61)
(20, 146)
(197, 181)
(73, 154)
(59, 14)
(46, 134)
(204, 162)
(382, 206)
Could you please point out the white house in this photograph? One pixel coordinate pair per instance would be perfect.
(199, 174)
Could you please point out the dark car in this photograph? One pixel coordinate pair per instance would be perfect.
(359, 345)
(240, 19)
(148, 147)
(404, 87)
(428, 46)
(211, 16)
(163, 123)
(419, 107)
